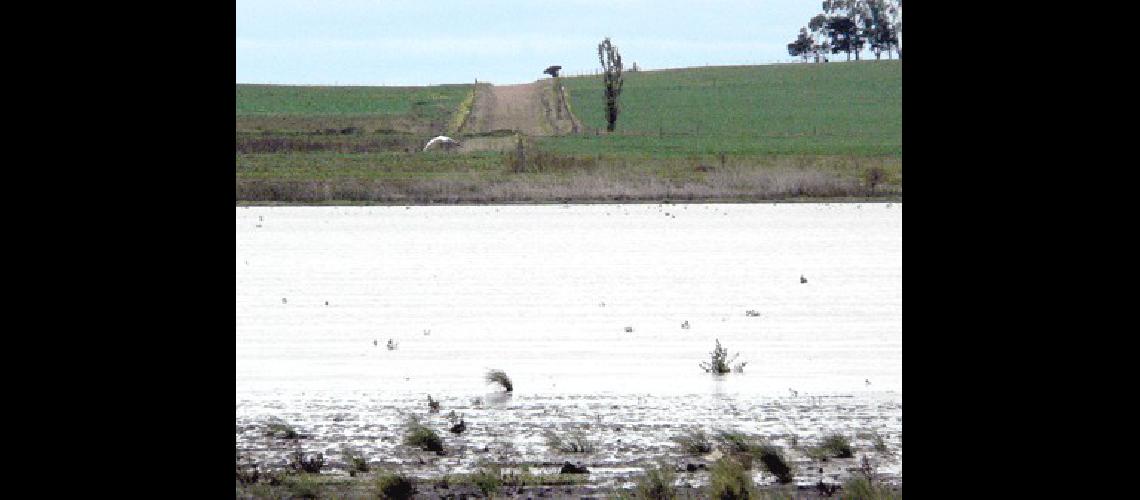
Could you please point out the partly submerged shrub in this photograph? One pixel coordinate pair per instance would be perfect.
(694, 442)
(422, 436)
(300, 463)
(574, 442)
(281, 430)
(395, 486)
(354, 462)
(774, 462)
(657, 483)
(734, 442)
(500, 377)
(837, 446)
(719, 362)
(729, 480)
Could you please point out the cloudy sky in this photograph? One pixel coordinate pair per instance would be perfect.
(400, 42)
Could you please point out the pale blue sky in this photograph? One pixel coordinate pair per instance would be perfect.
(399, 42)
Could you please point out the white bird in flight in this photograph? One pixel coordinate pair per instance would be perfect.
(446, 141)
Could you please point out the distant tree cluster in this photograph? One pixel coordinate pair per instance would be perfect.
(849, 26)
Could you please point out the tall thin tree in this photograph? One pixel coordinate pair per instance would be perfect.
(610, 59)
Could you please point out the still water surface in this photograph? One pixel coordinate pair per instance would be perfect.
(546, 292)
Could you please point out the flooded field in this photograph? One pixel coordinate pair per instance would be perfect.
(583, 307)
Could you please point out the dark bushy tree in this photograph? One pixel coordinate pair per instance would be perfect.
(844, 36)
(803, 47)
(610, 59)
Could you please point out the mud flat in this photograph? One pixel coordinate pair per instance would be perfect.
(629, 432)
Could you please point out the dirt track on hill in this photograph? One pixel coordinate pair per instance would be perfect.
(531, 108)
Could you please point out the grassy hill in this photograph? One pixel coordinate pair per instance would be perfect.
(836, 108)
(292, 109)
(747, 133)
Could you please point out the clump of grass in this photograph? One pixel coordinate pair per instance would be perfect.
(281, 430)
(874, 176)
(489, 479)
(354, 461)
(719, 362)
(248, 472)
(837, 446)
(574, 442)
(657, 483)
(395, 486)
(500, 377)
(878, 441)
(774, 462)
(866, 486)
(694, 442)
(303, 486)
(422, 436)
(734, 442)
(309, 465)
(729, 480)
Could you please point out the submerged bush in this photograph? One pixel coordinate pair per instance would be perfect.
(422, 436)
(574, 442)
(354, 462)
(734, 442)
(719, 362)
(837, 446)
(774, 462)
(657, 483)
(694, 442)
(395, 486)
(281, 430)
(729, 481)
(310, 465)
(500, 377)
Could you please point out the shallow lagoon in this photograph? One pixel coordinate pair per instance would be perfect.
(545, 293)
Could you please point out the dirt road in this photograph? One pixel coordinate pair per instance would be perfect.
(533, 108)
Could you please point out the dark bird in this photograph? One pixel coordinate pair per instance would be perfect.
(459, 428)
(803, 279)
(432, 404)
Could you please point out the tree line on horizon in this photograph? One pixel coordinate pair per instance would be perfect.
(848, 26)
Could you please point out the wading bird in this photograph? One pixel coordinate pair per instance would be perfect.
(459, 428)
(444, 141)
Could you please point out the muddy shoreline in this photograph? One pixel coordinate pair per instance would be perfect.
(629, 434)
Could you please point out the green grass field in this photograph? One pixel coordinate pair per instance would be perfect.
(308, 109)
(749, 133)
(826, 109)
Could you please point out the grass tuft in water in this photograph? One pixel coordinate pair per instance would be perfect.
(500, 377)
(694, 442)
(573, 442)
(420, 435)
